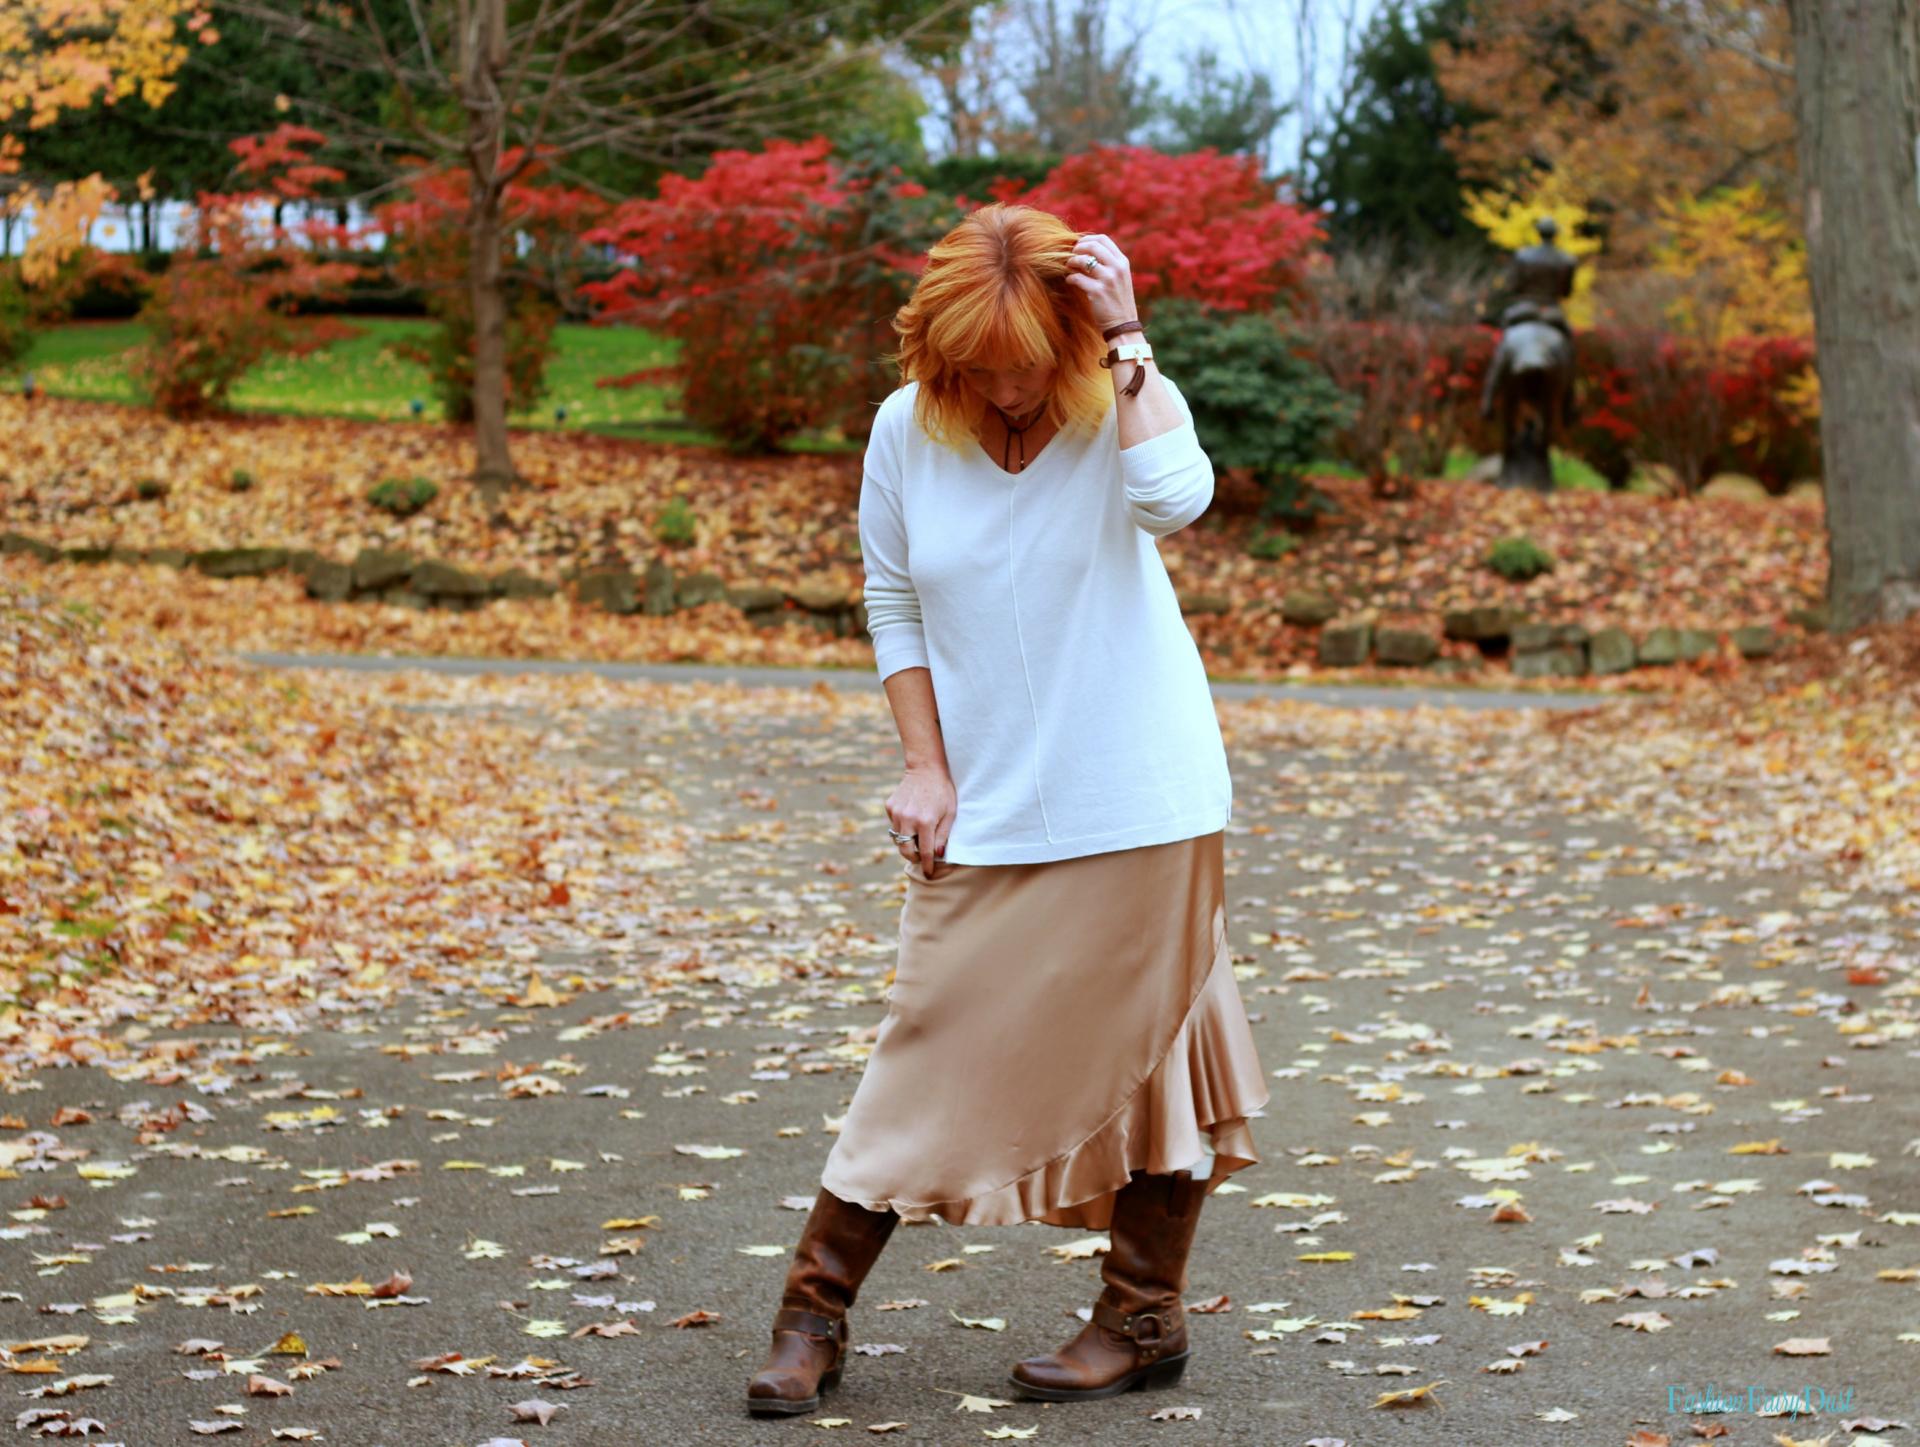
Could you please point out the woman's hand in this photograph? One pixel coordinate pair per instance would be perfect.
(1108, 288)
(923, 806)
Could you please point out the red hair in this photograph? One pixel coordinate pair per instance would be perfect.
(994, 294)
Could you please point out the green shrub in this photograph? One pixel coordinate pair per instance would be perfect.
(1519, 558)
(148, 488)
(675, 524)
(1259, 400)
(402, 496)
(1271, 543)
(241, 481)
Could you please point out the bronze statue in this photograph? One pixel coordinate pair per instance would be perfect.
(1532, 369)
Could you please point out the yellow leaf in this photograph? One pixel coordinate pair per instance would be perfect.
(538, 992)
(355, 1287)
(1412, 1396)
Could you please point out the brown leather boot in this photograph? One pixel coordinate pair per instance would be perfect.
(838, 1246)
(1138, 1335)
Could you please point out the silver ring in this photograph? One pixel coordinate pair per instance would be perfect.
(1091, 261)
(898, 837)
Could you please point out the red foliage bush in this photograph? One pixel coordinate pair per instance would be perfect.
(1200, 225)
(779, 272)
(1640, 397)
(1767, 437)
(1417, 387)
(1651, 397)
(232, 296)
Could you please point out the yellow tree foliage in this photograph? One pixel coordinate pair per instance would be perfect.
(61, 55)
(1508, 220)
(1638, 98)
(1745, 263)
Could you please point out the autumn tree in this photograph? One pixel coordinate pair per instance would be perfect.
(495, 88)
(178, 148)
(1852, 87)
(1631, 100)
(64, 55)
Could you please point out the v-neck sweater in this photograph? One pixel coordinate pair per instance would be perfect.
(1072, 701)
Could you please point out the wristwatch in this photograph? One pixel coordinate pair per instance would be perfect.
(1135, 352)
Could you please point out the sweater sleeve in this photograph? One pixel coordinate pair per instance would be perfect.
(893, 607)
(1168, 478)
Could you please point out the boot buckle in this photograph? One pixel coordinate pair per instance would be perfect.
(1128, 1324)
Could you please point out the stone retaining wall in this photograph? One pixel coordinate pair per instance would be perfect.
(399, 578)
(1534, 650)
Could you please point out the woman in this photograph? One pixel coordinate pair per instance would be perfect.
(1064, 1022)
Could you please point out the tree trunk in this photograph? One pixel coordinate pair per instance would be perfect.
(1857, 79)
(484, 43)
(493, 463)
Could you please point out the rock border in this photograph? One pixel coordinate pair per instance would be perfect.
(1346, 640)
(1533, 649)
(400, 578)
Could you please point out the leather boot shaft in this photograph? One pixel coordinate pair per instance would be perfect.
(1138, 1335)
(838, 1246)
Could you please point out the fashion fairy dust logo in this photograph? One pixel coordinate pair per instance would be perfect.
(1762, 1401)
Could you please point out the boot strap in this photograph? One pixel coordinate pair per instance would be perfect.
(794, 1318)
(1130, 1324)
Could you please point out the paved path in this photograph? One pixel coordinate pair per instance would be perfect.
(1342, 695)
(1442, 970)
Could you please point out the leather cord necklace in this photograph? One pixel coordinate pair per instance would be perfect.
(1132, 324)
(1013, 432)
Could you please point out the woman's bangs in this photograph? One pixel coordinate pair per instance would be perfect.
(1010, 338)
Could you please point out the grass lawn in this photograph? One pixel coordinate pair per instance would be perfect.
(360, 377)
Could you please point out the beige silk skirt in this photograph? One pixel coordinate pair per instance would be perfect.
(1052, 1028)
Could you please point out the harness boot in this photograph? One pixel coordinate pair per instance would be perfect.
(1138, 1335)
(838, 1246)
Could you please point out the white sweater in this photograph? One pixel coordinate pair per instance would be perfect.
(1073, 704)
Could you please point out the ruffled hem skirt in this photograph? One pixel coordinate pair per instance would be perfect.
(1052, 1028)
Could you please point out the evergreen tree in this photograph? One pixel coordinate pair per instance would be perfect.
(1381, 169)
